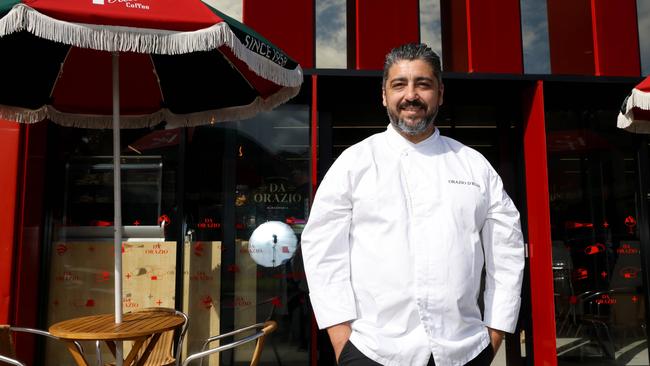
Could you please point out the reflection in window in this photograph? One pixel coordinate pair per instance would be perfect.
(331, 34)
(430, 28)
(596, 247)
(534, 32)
(643, 12)
(247, 198)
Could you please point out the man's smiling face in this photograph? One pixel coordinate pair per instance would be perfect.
(412, 95)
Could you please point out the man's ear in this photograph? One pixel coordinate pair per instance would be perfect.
(442, 93)
(383, 97)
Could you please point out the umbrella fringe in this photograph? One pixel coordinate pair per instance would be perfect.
(638, 99)
(143, 40)
(231, 113)
(24, 115)
(628, 123)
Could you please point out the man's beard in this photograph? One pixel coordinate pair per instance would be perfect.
(412, 129)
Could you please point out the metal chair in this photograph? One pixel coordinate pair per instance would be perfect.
(262, 330)
(613, 310)
(7, 351)
(162, 353)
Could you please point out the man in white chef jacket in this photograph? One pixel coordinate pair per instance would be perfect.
(401, 227)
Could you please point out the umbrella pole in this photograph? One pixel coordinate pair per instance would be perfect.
(117, 199)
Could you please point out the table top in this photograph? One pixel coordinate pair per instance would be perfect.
(102, 327)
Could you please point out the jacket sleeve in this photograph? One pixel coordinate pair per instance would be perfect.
(504, 258)
(326, 249)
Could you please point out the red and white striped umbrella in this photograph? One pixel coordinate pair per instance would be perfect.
(635, 111)
(134, 64)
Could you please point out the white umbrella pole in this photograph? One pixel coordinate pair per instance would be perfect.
(117, 199)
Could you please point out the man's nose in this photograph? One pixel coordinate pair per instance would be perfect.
(411, 93)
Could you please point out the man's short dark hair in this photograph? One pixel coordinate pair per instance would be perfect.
(410, 52)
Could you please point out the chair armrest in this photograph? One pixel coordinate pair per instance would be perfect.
(181, 337)
(224, 347)
(230, 334)
(98, 353)
(33, 331)
(11, 361)
(45, 334)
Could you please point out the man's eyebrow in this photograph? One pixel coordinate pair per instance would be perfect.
(424, 78)
(417, 79)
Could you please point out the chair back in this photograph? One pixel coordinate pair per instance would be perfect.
(7, 350)
(268, 328)
(262, 330)
(162, 353)
(6, 342)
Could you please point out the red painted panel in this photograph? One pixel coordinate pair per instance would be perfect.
(494, 29)
(539, 229)
(382, 25)
(288, 24)
(314, 135)
(616, 38)
(570, 37)
(29, 235)
(455, 49)
(9, 164)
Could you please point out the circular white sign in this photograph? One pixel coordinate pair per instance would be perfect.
(272, 244)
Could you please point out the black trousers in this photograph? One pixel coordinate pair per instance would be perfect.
(351, 356)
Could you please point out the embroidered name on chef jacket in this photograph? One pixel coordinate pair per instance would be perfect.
(463, 182)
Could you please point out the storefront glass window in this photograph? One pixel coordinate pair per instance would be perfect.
(643, 13)
(331, 36)
(534, 32)
(597, 253)
(430, 26)
(212, 221)
(246, 202)
(80, 208)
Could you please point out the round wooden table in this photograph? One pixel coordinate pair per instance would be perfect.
(136, 326)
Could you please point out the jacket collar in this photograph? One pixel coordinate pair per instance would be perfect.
(399, 143)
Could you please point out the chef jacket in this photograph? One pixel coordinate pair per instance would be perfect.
(395, 244)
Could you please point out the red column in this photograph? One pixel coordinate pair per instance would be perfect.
(29, 232)
(9, 165)
(381, 25)
(570, 37)
(455, 46)
(289, 24)
(594, 37)
(482, 36)
(314, 136)
(616, 38)
(539, 228)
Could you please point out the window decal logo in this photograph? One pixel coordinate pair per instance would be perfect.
(581, 273)
(595, 249)
(630, 222)
(630, 272)
(578, 225)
